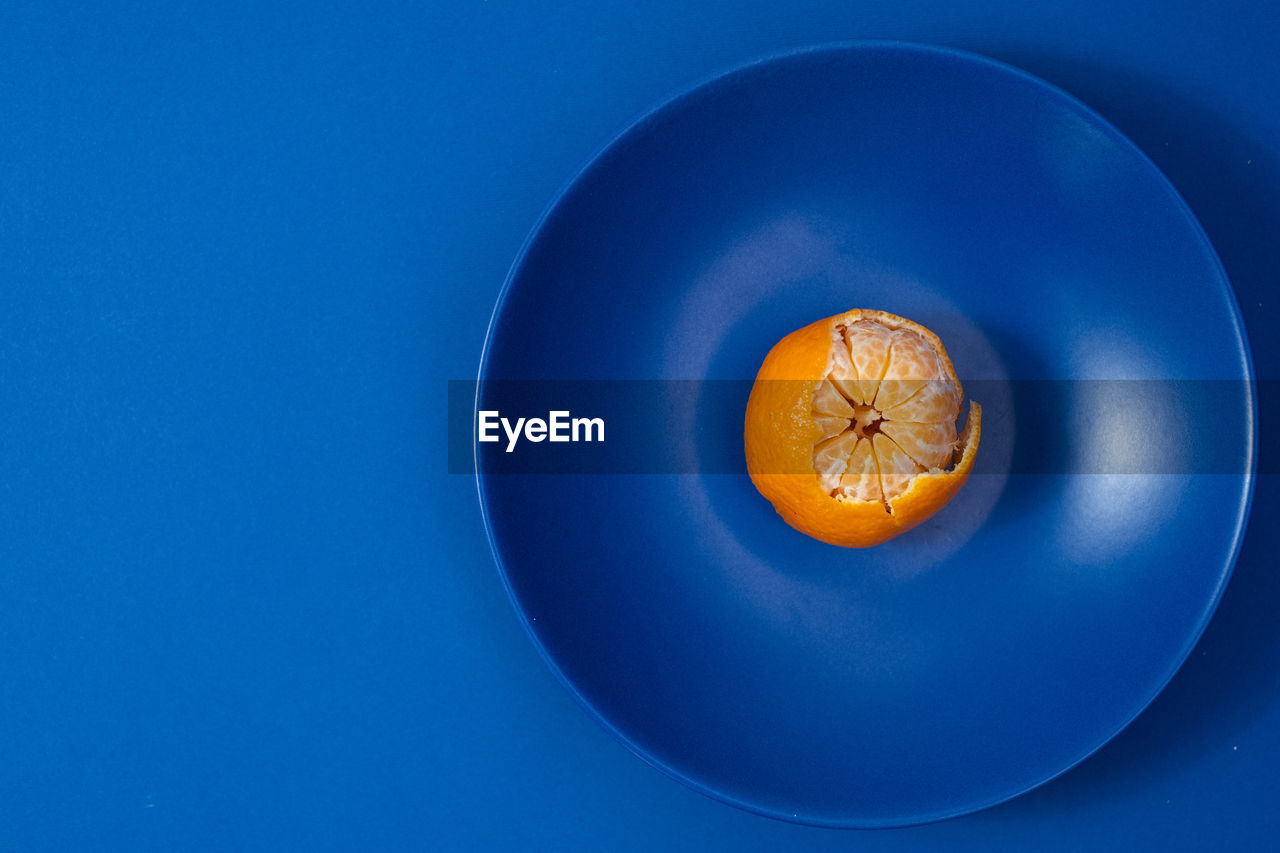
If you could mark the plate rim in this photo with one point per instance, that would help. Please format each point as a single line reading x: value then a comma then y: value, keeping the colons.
x: 1094, y: 119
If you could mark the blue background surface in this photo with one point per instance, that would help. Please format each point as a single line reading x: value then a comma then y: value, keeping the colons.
x: 242, y: 249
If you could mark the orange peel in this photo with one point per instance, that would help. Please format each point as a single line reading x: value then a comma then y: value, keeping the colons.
x: 850, y: 428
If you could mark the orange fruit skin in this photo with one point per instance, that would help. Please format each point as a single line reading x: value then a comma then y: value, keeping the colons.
x: 780, y: 433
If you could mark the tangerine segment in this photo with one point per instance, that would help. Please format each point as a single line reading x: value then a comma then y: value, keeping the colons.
x: 920, y: 401
x: 897, y: 469
x: 831, y: 410
x: 832, y: 456
x: 928, y: 445
x: 914, y: 367
x: 868, y: 347
x: 861, y: 479
x: 851, y: 427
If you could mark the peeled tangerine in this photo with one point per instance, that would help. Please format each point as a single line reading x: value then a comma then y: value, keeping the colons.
x: 851, y: 428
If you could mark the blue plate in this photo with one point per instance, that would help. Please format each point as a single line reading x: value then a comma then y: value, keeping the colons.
x: 990, y: 649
